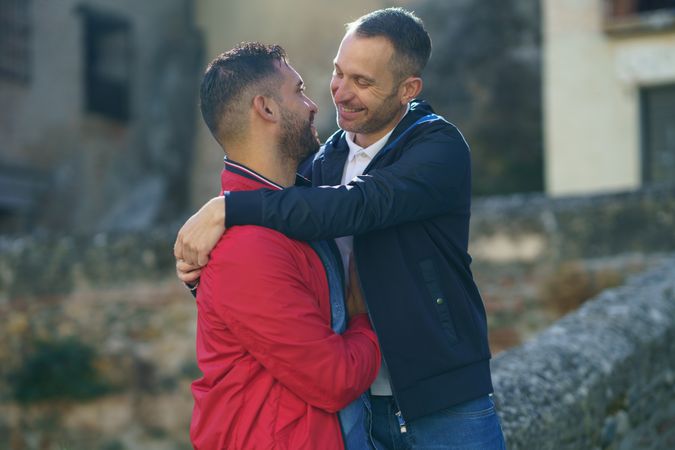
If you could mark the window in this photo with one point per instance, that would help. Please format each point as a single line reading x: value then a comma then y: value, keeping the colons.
x: 654, y: 5
x: 658, y: 134
x: 621, y: 8
x: 107, y: 62
x: 15, y: 34
x: 628, y: 16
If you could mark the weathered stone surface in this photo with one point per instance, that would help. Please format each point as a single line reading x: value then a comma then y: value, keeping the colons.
x: 53, y: 265
x: 601, y: 377
x: 536, y: 229
x: 144, y: 337
x: 506, y: 231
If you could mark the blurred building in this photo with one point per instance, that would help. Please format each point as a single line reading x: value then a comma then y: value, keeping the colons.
x: 98, y: 112
x: 309, y: 30
x: 609, y: 94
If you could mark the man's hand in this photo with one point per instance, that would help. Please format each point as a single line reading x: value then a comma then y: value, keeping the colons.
x: 355, y: 302
x: 200, y: 233
x: 187, y: 273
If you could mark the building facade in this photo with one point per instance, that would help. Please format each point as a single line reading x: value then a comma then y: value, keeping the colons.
x: 609, y: 94
x: 97, y: 118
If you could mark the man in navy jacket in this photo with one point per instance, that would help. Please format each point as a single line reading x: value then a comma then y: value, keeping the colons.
x: 396, y: 178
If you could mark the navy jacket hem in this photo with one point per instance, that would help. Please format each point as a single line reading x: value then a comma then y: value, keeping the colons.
x: 450, y: 388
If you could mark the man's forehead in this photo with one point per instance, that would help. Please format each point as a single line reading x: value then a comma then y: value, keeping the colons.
x: 364, y: 53
x: 354, y: 40
x: 289, y: 73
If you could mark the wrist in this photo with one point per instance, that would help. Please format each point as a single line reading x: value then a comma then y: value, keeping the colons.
x: 217, y: 209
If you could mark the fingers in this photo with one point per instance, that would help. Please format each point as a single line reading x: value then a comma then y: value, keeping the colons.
x: 178, y: 246
x: 189, y: 277
x: 200, y: 233
x: 189, y: 254
x: 187, y: 272
x: 185, y: 248
x: 184, y: 266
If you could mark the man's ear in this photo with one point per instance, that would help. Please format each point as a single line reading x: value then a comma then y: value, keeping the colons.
x: 410, y: 89
x: 266, y: 108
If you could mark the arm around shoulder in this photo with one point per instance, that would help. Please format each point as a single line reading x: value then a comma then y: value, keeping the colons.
x: 200, y: 233
x: 430, y: 178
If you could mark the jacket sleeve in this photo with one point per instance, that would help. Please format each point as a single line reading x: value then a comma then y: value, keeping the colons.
x: 262, y: 297
x: 432, y: 177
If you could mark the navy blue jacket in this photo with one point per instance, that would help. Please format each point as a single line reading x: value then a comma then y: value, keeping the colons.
x: 409, y: 214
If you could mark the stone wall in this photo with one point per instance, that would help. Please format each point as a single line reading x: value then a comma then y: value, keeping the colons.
x: 105, y: 368
x: 538, y: 229
x: 52, y: 266
x: 602, y: 377
x: 515, y: 231
x: 536, y: 258
x: 599, y: 378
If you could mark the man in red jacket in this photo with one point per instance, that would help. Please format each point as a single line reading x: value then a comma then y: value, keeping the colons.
x: 275, y: 372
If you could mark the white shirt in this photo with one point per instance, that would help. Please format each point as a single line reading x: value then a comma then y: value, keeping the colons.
x: 357, y: 161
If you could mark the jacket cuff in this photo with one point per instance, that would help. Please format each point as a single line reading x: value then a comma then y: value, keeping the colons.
x: 192, y: 288
x: 243, y: 208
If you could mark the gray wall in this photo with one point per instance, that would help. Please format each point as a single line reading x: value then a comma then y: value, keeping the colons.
x: 602, y: 377
x: 531, y: 230
x: 537, y: 229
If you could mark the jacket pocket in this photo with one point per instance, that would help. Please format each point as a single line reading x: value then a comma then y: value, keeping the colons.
x: 440, y: 302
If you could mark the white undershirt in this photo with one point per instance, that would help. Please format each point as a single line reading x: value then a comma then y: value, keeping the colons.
x: 357, y: 161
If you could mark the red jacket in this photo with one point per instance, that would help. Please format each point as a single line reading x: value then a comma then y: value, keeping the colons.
x: 274, y: 371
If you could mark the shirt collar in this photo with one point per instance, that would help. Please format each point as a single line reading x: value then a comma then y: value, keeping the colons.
x: 373, y: 148
x: 243, y: 171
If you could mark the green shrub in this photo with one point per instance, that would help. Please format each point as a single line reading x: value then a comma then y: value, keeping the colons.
x: 57, y: 370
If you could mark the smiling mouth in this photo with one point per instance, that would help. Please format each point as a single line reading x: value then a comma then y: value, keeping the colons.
x: 349, y: 110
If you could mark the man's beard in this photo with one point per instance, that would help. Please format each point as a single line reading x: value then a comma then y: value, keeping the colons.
x: 298, y: 140
x: 380, y: 118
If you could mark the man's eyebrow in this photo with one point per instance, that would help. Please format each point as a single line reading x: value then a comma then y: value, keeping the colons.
x: 364, y: 77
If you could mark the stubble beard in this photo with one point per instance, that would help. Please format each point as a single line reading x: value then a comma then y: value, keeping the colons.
x: 298, y: 140
x: 379, y: 119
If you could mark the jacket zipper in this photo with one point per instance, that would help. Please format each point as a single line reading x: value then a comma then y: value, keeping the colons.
x: 399, y: 415
x: 401, y: 423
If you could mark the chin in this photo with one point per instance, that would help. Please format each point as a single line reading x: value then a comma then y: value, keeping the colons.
x: 347, y: 126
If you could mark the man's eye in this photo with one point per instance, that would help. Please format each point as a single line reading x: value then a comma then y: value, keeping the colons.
x: 362, y: 82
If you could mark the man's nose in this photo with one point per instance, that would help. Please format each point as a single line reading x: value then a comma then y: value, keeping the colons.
x: 313, y: 107
x: 340, y: 90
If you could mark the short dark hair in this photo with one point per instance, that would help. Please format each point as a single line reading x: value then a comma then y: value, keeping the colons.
x: 232, y: 74
x: 405, y: 31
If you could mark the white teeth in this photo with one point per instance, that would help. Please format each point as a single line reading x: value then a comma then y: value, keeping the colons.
x: 350, y: 110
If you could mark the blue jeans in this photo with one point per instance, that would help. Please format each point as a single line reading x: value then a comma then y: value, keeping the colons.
x: 473, y: 425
